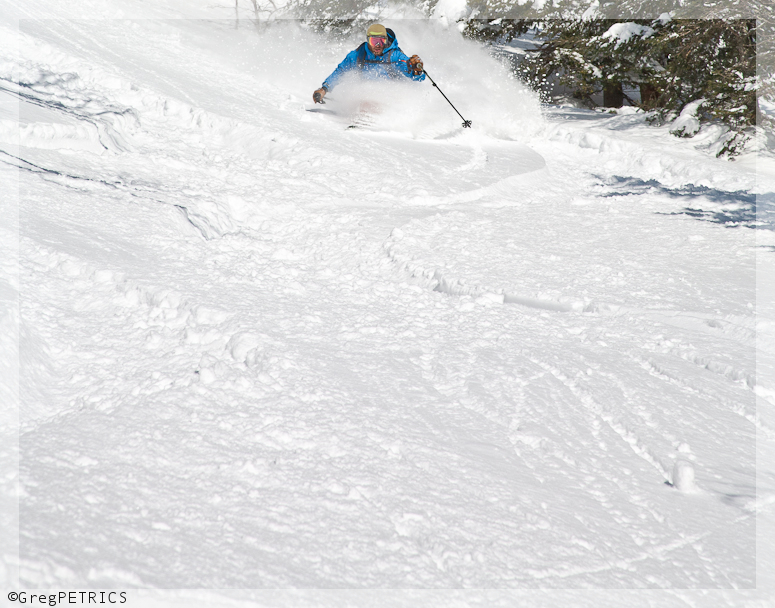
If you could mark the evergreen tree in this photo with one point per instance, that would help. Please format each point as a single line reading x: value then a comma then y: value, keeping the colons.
x: 705, y: 66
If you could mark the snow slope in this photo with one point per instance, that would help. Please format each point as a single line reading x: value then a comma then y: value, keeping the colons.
x: 253, y: 349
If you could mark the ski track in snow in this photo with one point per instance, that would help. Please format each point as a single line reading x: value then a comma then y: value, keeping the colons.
x: 260, y: 350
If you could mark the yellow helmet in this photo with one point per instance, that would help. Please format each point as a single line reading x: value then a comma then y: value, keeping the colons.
x: 376, y: 29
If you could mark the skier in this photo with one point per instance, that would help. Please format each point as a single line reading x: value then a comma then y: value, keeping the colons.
x: 378, y: 57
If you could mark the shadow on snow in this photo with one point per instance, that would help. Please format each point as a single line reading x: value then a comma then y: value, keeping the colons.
x: 739, y: 208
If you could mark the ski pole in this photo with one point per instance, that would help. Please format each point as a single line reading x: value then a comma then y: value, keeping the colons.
x: 466, y: 123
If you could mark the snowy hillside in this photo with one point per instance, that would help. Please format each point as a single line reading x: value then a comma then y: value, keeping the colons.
x: 245, y: 347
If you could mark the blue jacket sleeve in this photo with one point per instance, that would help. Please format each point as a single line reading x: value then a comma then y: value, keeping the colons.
x: 348, y: 63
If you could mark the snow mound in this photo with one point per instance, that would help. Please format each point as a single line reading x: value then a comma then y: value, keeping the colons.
x: 683, y: 477
x: 687, y: 124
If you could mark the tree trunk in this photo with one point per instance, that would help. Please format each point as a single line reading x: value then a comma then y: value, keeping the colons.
x: 648, y: 95
x: 613, y: 96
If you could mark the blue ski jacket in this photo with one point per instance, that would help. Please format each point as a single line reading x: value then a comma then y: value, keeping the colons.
x: 391, y: 64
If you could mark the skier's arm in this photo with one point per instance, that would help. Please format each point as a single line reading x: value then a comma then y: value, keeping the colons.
x: 405, y: 66
x: 348, y: 63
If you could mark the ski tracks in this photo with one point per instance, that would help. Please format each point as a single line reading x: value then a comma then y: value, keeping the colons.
x: 287, y: 397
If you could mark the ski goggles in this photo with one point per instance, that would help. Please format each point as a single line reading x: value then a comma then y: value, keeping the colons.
x: 377, y: 40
